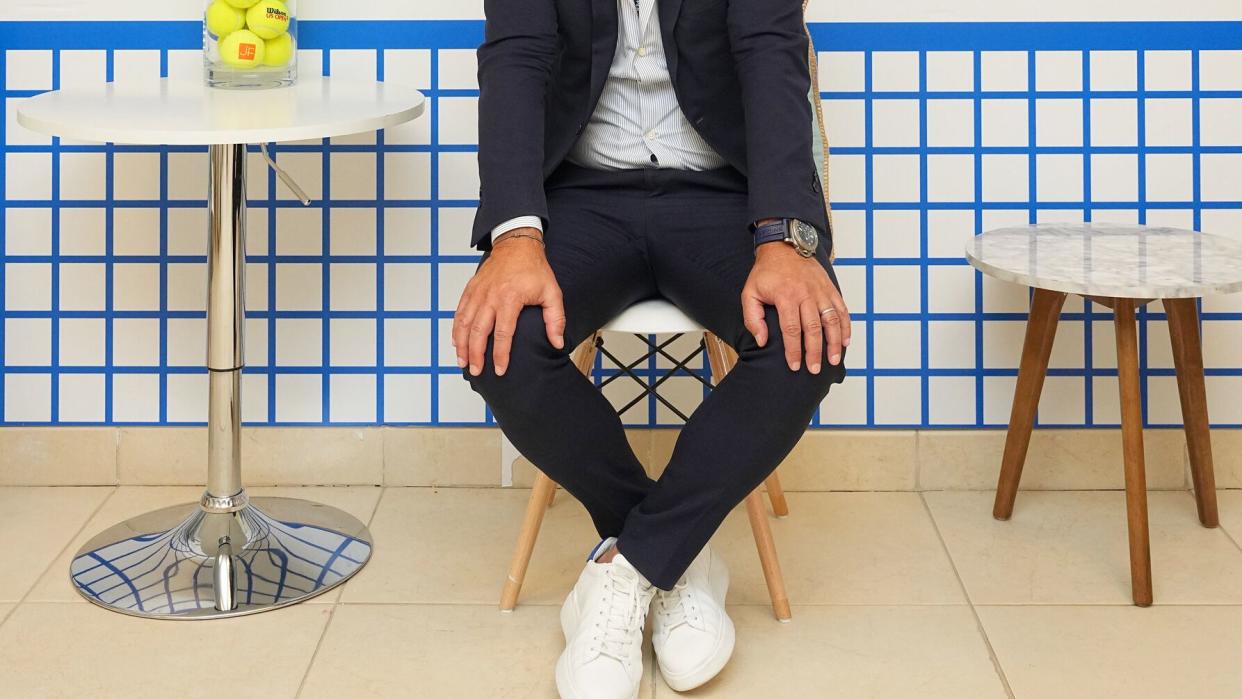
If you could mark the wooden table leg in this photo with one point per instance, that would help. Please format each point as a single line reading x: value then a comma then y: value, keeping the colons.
x: 1132, y: 446
x: 1188, y: 358
x: 1041, y: 330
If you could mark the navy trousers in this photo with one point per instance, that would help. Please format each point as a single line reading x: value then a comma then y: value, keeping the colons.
x: 615, y: 238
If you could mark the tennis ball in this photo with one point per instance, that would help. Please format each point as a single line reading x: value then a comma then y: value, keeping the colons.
x: 242, y: 4
x: 224, y: 19
x: 269, y: 19
x: 242, y: 49
x: 278, y: 51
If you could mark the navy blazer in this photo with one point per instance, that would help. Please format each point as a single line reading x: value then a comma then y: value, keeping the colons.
x: 739, y: 68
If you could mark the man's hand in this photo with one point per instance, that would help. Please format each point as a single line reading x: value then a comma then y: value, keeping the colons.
x: 516, y: 275
x: 800, y: 289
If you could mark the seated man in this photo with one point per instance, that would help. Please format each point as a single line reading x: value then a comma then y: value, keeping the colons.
x: 631, y: 149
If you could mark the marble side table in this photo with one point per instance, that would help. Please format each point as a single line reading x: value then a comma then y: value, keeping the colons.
x: 1121, y: 267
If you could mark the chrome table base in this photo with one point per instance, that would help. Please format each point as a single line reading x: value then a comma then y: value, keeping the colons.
x: 225, y: 556
x: 183, y: 562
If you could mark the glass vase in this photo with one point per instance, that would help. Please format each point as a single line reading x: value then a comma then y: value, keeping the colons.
x: 250, y: 44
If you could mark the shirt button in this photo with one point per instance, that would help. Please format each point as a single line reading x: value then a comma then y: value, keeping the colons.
x: 642, y: 51
x: 651, y: 135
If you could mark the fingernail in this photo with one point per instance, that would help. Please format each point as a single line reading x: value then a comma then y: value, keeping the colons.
x: 560, y: 341
x: 845, y: 342
x: 836, y: 359
x: 500, y: 371
x: 461, y: 363
x: 814, y: 368
x: 474, y: 369
x: 795, y: 366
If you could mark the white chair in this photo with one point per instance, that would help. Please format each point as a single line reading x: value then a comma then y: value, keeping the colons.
x: 657, y: 317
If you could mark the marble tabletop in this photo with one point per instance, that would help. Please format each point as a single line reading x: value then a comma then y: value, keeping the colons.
x: 1120, y: 261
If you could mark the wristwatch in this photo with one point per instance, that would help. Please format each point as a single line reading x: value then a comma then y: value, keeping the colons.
x: 800, y: 234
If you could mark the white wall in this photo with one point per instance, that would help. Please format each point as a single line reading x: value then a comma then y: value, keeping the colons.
x: 820, y: 10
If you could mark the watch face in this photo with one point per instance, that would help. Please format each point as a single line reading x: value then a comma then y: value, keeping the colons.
x: 805, y: 236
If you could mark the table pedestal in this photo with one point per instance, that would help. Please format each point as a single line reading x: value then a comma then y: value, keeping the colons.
x: 226, y: 555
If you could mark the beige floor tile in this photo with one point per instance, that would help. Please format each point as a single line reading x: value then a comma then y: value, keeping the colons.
x: 42, y: 521
x: 79, y: 650
x: 58, y: 456
x: 1091, y: 652
x: 442, y: 651
x: 1071, y: 548
x: 1229, y: 504
x: 833, y: 459
x: 453, y: 545
x: 845, y: 548
x: 131, y: 501
x: 450, y: 456
x: 855, y: 651
x: 1057, y: 459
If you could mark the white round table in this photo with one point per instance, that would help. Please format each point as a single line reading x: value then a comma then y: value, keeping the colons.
x: 226, y: 555
x: 1121, y: 267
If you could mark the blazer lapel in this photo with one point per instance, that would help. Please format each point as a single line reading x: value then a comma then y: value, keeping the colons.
x: 669, y: 9
x: 604, y: 30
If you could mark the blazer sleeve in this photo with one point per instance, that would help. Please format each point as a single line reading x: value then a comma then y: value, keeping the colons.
x: 515, y: 63
x: 769, y: 44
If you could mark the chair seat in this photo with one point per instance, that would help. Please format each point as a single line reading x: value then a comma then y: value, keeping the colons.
x: 653, y: 316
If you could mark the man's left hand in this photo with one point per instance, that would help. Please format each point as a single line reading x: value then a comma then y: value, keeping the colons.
x: 807, y: 302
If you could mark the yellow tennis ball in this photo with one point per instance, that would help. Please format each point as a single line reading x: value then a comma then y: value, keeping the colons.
x: 269, y: 19
x: 242, y: 4
x: 278, y: 51
x: 242, y: 49
x: 224, y: 19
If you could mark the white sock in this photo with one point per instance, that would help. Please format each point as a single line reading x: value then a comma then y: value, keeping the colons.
x: 601, y: 548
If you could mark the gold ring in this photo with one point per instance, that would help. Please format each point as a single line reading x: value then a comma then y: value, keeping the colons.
x: 826, y: 311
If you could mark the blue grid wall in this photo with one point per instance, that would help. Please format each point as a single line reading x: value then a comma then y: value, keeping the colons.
x: 937, y: 133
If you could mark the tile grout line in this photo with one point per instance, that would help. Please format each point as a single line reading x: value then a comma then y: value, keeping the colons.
x: 336, y: 603
x: 996, y: 664
x: 46, y: 569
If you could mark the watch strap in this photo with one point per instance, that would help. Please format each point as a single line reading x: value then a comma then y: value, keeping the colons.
x: 772, y: 231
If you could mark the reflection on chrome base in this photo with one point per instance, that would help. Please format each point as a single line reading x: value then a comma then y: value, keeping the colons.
x: 183, y: 562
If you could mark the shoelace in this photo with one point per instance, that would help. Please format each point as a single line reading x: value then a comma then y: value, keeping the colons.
x: 678, y: 606
x: 621, y: 614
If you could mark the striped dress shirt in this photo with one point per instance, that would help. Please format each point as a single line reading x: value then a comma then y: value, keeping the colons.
x: 637, y: 122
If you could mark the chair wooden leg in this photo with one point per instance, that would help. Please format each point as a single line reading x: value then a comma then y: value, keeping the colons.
x: 1188, y: 358
x: 1132, y: 445
x: 776, y: 493
x: 1041, y: 330
x: 535, y: 508
x: 761, y: 528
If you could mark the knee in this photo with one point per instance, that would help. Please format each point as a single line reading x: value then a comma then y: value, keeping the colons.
x: 772, y: 359
x: 530, y: 352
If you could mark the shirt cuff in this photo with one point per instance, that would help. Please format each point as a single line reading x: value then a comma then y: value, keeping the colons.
x: 519, y: 222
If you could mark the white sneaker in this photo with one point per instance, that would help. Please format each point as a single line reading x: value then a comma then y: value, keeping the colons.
x: 603, y: 621
x: 692, y: 634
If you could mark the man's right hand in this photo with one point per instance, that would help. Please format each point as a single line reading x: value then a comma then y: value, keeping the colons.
x: 515, y: 275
